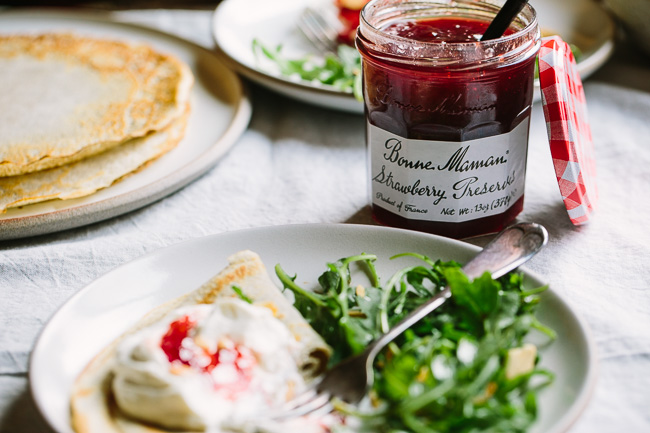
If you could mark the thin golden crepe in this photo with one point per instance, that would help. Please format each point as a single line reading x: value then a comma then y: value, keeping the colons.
x: 65, y: 97
x: 93, y: 408
x: 89, y: 175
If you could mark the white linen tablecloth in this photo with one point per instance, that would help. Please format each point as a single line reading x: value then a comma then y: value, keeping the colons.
x: 302, y: 164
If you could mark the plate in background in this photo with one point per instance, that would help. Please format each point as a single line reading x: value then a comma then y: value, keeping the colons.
x: 104, y: 309
x: 218, y: 99
x: 236, y: 23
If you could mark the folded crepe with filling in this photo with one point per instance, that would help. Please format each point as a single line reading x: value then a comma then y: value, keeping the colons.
x: 65, y: 97
x: 93, y: 408
x: 82, y: 178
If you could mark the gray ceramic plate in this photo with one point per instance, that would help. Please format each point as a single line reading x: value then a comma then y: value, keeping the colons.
x: 236, y: 23
x: 108, y: 306
x: 220, y: 113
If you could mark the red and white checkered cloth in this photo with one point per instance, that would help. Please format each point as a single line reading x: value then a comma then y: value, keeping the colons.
x: 569, y: 135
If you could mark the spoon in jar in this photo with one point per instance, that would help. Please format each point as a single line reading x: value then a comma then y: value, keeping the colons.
x: 502, y: 21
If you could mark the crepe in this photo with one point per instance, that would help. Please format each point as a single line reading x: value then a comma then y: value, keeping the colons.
x: 89, y: 175
x: 65, y: 97
x: 93, y: 408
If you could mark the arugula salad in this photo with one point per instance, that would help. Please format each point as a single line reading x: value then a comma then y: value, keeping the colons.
x: 458, y: 370
x: 340, y: 70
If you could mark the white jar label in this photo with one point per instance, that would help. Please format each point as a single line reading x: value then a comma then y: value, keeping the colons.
x: 447, y: 181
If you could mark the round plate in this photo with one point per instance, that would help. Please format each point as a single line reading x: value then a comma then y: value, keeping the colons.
x: 218, y: 99
x: 237, y: 23
x: 108, y: 306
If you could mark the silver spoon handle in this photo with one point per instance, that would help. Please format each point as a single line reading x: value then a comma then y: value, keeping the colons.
x: 513, y: 247
x: 510, y: 249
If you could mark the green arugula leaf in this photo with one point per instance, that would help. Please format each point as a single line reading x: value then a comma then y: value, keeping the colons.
x: 341, y: 71
x: 480, y: 296
x: 241, y: 294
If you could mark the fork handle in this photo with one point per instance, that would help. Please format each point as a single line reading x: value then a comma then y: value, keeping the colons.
x: 510, y: 249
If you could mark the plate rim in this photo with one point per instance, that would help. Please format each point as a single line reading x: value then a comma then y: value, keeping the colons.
x: 284, y: 85
x: 586, y: 68
x: 255, y: 73
x: 567, y: 420
x: 78, y: 215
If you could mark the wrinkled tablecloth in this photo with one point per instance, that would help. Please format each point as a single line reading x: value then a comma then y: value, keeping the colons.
x: 298, y: 163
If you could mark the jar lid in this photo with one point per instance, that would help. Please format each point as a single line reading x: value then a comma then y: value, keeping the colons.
x: 569, y: 134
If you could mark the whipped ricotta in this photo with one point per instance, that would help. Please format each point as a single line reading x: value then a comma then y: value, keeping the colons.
x: 208, y: 367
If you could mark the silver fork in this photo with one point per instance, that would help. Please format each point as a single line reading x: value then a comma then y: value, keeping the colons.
x: 350, y: 380
x: 320, y: 28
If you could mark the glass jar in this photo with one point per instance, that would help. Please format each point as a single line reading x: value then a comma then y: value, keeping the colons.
x: 447, y: 115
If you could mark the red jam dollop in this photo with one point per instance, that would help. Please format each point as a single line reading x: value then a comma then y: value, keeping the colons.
x: 174, y: 345
x: 348, y: 12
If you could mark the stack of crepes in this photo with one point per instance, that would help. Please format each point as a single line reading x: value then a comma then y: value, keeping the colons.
x: 77, y: 114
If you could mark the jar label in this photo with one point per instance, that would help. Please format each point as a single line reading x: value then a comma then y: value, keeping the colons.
x: 447, y: 181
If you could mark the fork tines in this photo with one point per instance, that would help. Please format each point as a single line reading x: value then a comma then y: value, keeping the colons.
x: 309, y: 402
x: 320, y: 28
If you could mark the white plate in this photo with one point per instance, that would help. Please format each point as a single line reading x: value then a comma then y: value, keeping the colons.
x: 220, y: 113
x: 108, y: 306
x: 236, y: 23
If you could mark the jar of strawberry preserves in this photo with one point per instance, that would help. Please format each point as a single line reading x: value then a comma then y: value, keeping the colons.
x: 447, y: 115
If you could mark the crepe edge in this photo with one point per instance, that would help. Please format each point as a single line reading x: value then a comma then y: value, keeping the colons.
x: 176, y: 132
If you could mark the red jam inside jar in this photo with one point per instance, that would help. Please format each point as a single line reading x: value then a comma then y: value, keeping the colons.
x: 441, y: 30
x: 447, y: 115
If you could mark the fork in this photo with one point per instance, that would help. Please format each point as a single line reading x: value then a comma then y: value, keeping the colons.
x: 350, y: 380
x: 320, y: 28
